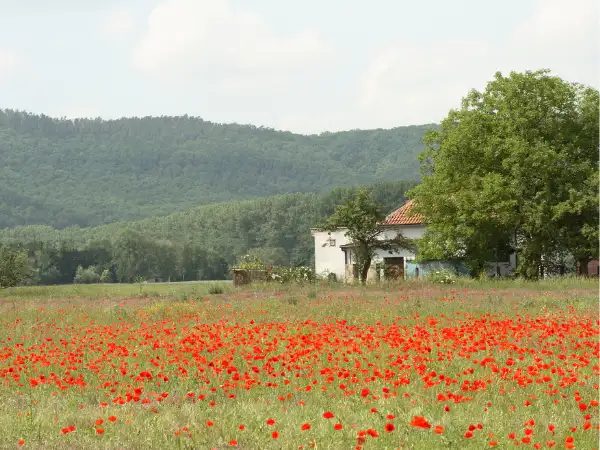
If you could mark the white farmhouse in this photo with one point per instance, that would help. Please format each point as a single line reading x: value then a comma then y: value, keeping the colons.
x: 333, y: 251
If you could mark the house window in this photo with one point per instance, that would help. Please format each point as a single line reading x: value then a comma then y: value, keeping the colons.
x: 331, y: 242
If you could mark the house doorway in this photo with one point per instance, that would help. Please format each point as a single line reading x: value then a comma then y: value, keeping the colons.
x: 394, y: 268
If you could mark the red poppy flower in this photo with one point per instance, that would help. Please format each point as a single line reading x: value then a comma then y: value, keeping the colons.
x: 420, y: 422
x: 389, y: 427
x: 328, y: 415
x: 305, y: 427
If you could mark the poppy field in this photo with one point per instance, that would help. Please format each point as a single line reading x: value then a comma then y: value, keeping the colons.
x: 408, y: 367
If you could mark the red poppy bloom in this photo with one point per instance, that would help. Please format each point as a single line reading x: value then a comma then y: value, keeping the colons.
x: 389, y: 427
x: 420, y: 422
x: 305, y: 427
x: 328, y: 415
x: 373, y: 433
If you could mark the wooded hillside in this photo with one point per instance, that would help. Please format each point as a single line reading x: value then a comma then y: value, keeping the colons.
x: 203, y: 240
x: 90, y: 172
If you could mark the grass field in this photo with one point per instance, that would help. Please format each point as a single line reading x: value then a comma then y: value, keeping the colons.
x: 466, y: 366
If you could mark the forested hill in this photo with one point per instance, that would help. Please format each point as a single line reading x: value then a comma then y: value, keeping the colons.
x: 89, y: 172
x: 275, y: 228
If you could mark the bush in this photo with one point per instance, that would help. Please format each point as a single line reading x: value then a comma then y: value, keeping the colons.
x: 86, y: 276
x: 442, y: 276
x: 215, y: 289
x: 14, y: 267
x: 277, y: 274
x: 290, y: 274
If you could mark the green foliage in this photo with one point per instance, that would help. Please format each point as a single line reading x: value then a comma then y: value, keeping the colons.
x: 441, y: 276
x: 144, y: 167
x: 88, y: 275
x: 248, y: 262
x: 105, y: 276
x: 298, y: 275
x: 215, y: 289
x: 14, y: 267
x: 199, y: 244
x: 362, y: 216
x: 515, y: 168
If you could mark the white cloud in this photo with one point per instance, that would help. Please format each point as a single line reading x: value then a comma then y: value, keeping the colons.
x: 559, y: 23
x: 8, y: 62
x: 205, y: 36
x: 415, y: 83
x: 562, y: 36
x: 118, y: 23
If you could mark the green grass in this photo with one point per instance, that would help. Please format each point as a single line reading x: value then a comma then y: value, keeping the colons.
x: 99, y: 331
x: 176, y: 290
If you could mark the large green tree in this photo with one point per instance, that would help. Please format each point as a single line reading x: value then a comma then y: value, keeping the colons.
x: 515, y: 168
x: 361, y: 215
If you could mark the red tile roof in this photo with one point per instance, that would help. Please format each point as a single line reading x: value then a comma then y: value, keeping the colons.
x: 402, y: 216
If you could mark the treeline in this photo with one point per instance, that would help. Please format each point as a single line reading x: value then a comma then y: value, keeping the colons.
x: 199, y: 244
x: 61, y: 172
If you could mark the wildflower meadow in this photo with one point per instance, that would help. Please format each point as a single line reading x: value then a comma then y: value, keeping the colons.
x: 411, y: 366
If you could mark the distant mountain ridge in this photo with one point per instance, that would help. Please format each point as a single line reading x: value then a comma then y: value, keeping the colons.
x: 89, y: 172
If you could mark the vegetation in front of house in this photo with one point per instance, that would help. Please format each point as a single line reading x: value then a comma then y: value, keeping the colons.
x: 259, y: 271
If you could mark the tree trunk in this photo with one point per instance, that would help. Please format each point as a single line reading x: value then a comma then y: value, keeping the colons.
x: 582, y: 269
x: 365, y: 271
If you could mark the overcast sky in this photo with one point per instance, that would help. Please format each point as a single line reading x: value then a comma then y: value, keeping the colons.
x: 305, y: 66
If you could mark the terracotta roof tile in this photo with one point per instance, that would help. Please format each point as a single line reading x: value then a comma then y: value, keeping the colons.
x: 401, y: 216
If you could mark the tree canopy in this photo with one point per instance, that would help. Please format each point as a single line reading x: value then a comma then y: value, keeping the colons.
x: 14, y: 268
x: 515, y: 168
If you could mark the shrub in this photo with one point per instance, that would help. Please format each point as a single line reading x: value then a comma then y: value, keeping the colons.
x: 442, y: 276
x: 88, y: 275
x: 215, y: 289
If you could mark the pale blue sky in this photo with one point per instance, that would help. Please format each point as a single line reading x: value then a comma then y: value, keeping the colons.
x: 304, y: 66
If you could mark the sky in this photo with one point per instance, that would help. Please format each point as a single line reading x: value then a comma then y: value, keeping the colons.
x: 305, y: 66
